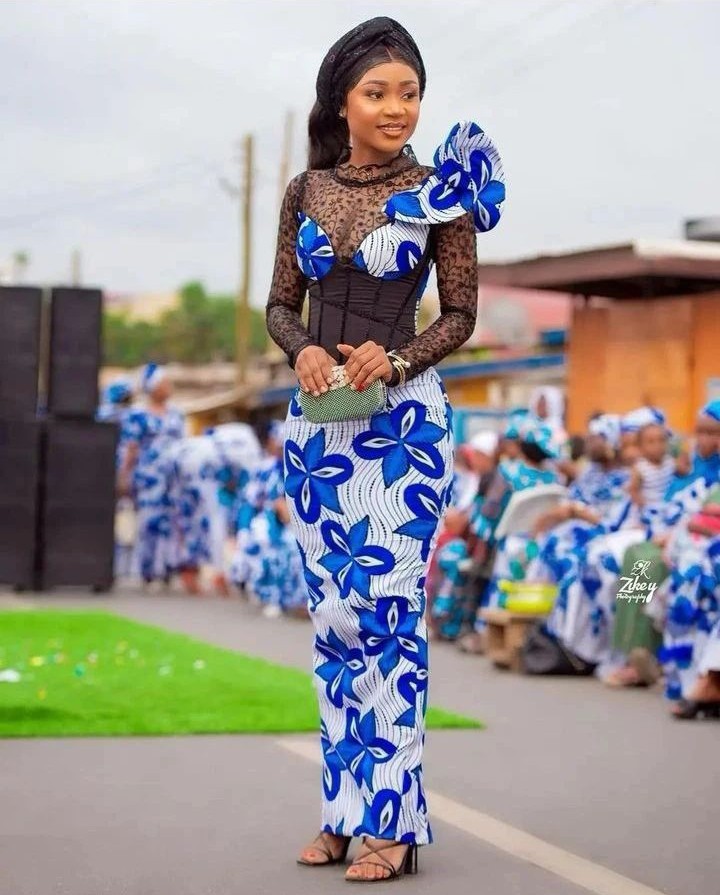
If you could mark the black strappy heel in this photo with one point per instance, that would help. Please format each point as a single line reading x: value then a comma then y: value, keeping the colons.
x: 691, y: 708
x: 409, y: 863
x: 324, y: 849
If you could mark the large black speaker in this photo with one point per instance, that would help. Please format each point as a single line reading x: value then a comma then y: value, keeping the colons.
x: 19, y: 464
x: 75, y: 347
x: 20, y: 308
x: 78, y: 510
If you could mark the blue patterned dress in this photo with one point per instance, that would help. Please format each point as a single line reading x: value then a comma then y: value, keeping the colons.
x: 692, y: 593
x: 156, y: 547
x: 203, y: 467
x: 263, y: 486
x: 366, y: 496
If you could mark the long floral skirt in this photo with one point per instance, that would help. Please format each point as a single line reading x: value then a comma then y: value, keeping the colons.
x: 366, y: 498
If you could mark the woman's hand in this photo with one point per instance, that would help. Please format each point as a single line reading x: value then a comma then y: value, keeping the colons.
x: 366, y: 364
x: 312, y: 369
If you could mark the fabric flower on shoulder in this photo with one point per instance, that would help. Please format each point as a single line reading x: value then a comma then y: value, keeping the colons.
x: 314, y: 250
x: 468, y: 177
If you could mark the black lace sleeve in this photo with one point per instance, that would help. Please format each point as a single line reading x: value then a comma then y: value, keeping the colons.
x: 457, y: 279
x: 287, y: 292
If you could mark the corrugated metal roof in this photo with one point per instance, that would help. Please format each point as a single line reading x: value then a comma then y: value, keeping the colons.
x: 642, y: 268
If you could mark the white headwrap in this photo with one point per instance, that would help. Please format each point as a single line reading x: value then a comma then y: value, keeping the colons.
x: 608, y: 426
x: 485, y: 442
x: 554, y: 401
x: 642, y: 416
x: 151, y: 376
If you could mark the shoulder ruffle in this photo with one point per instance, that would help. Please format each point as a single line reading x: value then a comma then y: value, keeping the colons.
x: 468, y: 177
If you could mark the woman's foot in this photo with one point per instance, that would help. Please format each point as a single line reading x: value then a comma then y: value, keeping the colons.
x: 326, y: 848
x: 704, y: 698
x: 221, y: 586
x: 707, y: 688
x: 627, y: 676
x: 645, y: 664
x: 378, y: 859
x: 191, y: 581
x: 473, y: 642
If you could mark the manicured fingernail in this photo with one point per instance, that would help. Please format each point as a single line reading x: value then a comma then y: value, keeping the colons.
x: 323, y: 389
x: 353, y: 386
x: 317, y: 394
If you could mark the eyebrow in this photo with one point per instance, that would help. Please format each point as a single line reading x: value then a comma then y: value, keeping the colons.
x: 386, y: 83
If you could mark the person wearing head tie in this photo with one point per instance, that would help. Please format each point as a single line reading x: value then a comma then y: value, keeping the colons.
x: 360, y: 231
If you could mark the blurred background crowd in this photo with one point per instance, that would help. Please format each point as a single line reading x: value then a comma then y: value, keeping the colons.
x: 609, y: 537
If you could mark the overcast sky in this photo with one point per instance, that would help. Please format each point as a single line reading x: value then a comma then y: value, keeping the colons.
x: 119, y: 118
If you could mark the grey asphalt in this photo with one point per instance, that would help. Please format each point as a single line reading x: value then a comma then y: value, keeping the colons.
x: 606, y: 775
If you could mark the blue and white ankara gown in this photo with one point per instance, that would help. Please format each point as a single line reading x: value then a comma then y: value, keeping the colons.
x: 202, y: 466
x: 366, y: 498
x: 263, y: 486
x: 156, y: 554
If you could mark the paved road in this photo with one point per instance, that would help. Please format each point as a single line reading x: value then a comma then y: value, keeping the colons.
x: 603, y: 775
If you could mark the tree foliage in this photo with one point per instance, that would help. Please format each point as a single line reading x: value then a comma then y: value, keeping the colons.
x: 199, y: 330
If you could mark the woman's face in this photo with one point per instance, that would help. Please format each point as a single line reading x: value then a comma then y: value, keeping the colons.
x: 707, y: 436
x: 652, y: 441
x: 162, y: 391
x: 541, y: 409
x: 382, y: 110
x: 598, y: 448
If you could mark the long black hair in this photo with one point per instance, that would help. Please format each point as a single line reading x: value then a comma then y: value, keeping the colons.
x: 328, y: 132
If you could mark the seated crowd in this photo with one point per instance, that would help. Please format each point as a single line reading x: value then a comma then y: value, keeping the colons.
x: 630, y: 547
x: 628, y: 543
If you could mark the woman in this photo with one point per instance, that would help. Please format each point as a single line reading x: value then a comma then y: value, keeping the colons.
x: 202, y: 467
x: 148, y: 433
x: 547, y: 405
x: 693, y: 590
x: 360, y: 230
x: 263, y: 486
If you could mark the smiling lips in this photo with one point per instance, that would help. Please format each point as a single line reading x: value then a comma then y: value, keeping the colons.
x: 392, y: 129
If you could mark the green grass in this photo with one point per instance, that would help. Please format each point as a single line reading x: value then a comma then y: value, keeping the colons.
x: 97, y: 674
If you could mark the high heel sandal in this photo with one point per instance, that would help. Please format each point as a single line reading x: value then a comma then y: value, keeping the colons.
x: 409, y: 863
x: 691, y: 708
x: 324, y: 849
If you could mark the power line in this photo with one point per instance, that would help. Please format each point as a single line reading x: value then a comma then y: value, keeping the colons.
x: 128, y: 178
x: 524, y: 61
x: 26, y: 218
x: 498, y: 39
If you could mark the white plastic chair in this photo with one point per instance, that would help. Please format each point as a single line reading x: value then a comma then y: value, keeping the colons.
x: 525, y: 508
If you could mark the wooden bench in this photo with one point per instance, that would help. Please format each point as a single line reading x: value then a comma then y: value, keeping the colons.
x: 505, y: 635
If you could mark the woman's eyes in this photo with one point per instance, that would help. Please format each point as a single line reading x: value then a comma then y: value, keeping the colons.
x: 375, y: 94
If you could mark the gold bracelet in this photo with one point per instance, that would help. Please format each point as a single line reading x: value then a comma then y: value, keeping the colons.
x: 400, y: 364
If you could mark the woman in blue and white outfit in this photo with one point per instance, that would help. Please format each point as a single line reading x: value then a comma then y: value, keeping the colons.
x: 360, y: 231
x: 263, y: 486
x: 115, y: 406
x: 148, y: 434
x: 203, y: 469
x: 691, y: 649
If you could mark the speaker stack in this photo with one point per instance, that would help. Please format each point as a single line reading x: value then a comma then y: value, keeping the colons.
x: 57, y: 466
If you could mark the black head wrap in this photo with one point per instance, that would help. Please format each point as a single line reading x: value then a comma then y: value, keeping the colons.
x: 332, y: 80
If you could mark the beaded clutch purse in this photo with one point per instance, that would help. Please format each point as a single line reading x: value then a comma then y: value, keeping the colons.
x: 341, y: 402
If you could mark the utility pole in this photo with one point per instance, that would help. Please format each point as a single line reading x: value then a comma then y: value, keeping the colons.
x: 273, y: 352
x: 75, y: 268
x: 243, y: 195
x: 242, y: 331
x: 285, y: 158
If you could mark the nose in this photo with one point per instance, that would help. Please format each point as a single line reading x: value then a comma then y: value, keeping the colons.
x: 393, y: 106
